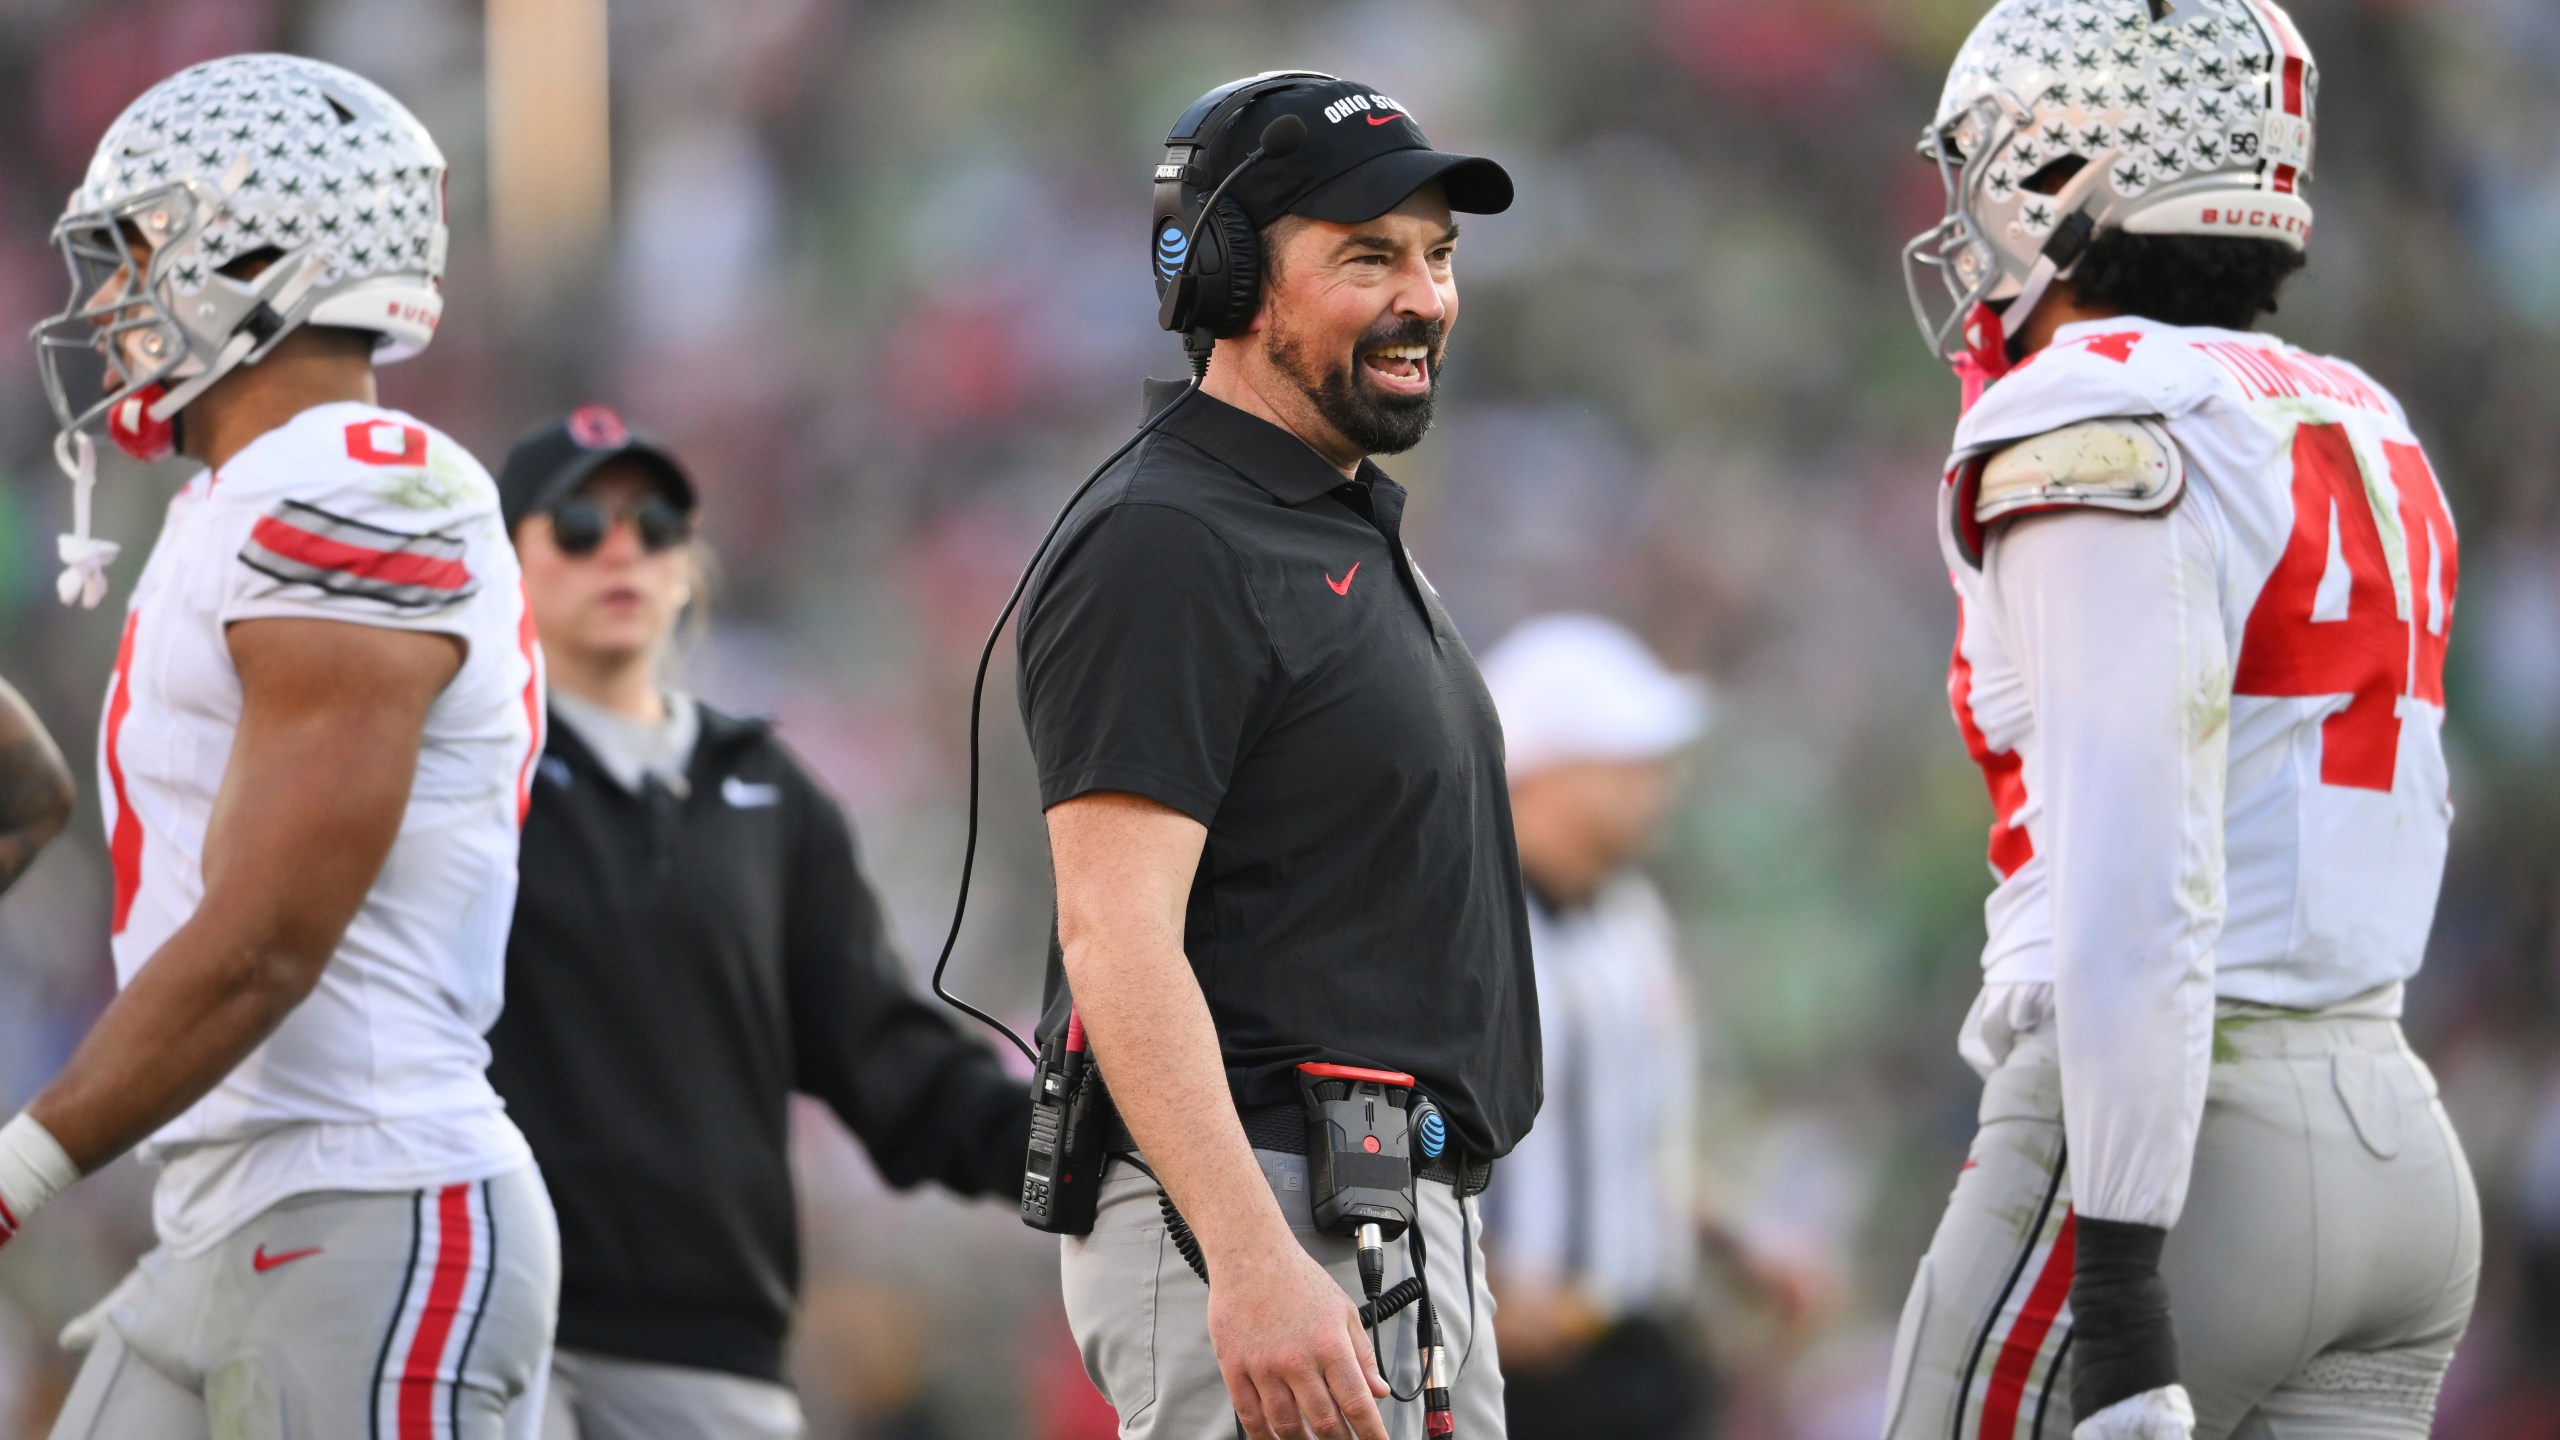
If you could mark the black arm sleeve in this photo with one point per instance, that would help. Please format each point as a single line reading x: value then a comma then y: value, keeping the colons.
x: 928, y: 1101
x: 1144, y: 661
x: 2121, y: 1340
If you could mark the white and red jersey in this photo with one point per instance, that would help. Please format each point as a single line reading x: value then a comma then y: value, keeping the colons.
x: 2213, y: 735
x: 377, y: 1081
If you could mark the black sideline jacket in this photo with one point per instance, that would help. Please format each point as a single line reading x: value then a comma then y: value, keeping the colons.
x: 680, y: 967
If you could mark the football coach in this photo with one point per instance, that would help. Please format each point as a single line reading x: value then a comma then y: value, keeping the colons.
x: 1275, y: 799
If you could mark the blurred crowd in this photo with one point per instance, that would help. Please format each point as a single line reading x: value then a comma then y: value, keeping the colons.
x: 875, y: 269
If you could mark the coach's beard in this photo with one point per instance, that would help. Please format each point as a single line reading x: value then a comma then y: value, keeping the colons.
x: 1377, y: 420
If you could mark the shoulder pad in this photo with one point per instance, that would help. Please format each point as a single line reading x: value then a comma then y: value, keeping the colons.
x: 2121, y: 464
x: 2127, y: 465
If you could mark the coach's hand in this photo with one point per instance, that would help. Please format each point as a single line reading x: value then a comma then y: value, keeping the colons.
x: 2162, y: 1414
x: 1288, y: 1339
x: 1289, y: 1343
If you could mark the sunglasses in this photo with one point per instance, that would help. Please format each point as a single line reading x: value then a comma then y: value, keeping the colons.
x: 579, y: 525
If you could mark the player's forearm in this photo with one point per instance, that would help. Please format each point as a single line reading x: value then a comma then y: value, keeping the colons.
x: 211, y: 995
x: 1152, y: 1035
x: 36, y: 792
x: 332, y: 718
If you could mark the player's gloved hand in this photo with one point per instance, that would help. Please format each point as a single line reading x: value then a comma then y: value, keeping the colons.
x: 2123, y: 1350
x: 2162, y: 1414
x: 33, y: 1169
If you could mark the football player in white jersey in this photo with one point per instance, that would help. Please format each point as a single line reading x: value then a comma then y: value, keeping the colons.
x: 313, y: 766
x: 2205, y: 582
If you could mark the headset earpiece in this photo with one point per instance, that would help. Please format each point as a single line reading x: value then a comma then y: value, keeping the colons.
x: 1230, y: 273
x: 1209, y: 273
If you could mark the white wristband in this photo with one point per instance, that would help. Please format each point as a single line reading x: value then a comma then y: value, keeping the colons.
x: 33, y: 1169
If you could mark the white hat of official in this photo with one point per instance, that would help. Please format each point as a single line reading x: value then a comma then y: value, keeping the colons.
x: 1580, y: 687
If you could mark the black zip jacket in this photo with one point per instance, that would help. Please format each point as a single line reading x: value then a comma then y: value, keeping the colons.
x: 677, y: 970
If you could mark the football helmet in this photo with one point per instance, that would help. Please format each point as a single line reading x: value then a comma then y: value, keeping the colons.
x: 2065, y: 118
x: 331, y: 181
x: 317, y: 172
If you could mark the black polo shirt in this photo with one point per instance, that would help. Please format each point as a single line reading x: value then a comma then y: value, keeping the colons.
x: 1227, y: 626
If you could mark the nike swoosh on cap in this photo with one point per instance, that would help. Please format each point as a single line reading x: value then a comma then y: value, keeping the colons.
x: 1383, y: 119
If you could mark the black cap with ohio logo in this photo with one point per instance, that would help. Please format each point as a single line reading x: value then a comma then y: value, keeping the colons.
x: 1362, y: 156
x: 551, y: 462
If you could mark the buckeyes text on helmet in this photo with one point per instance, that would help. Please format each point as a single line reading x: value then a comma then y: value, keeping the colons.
x: 2064, y: 118
x: 314, y: 170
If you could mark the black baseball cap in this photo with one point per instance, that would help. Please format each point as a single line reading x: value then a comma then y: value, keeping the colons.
x: 553, y: 461
x: 1362, y: 156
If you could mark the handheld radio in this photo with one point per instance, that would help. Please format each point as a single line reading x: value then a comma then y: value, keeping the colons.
x: 1070, y: 1112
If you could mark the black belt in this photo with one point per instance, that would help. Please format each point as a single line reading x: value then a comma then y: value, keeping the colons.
x: 1283, y: 1128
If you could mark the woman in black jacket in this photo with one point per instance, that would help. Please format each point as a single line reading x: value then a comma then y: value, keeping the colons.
x: 693, y: 943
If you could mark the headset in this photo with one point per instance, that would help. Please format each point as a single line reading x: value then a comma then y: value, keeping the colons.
x: 1208, y: 256
x: 1233, y: 259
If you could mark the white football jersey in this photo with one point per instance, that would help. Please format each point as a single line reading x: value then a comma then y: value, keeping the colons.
x: 378, y: 1080
x: 2213, y: 735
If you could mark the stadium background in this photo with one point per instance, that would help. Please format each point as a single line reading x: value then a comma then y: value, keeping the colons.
x: 874, y: 267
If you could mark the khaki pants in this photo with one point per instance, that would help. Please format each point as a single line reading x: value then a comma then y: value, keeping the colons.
x: 415, y: 1315
x: 1141, y: 1316
x: 2319, y: 1278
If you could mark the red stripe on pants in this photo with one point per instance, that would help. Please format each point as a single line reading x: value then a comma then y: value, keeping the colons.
x: 419, y: 1378
x: 2026, y: 1337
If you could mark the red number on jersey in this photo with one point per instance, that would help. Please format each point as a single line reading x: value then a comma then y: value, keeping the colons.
x: 2435, y: 563
x: 373, y: 442
x: 2353, y: 640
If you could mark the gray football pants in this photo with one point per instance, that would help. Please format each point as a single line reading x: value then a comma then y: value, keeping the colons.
x: 1141, y: 1317
x: 2319, y: 1278
x: 412, y: 1315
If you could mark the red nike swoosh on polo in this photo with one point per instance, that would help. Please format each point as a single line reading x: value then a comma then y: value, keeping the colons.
x: 1383, y: 119
x: 263, y: 1262
x: 1343, y: 585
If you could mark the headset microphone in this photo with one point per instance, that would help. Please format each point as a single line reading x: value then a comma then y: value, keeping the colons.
x: 1282, y: 137
x: 1181, y: 302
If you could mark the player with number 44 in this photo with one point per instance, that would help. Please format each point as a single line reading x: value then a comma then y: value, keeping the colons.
x: 2205, y: 583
